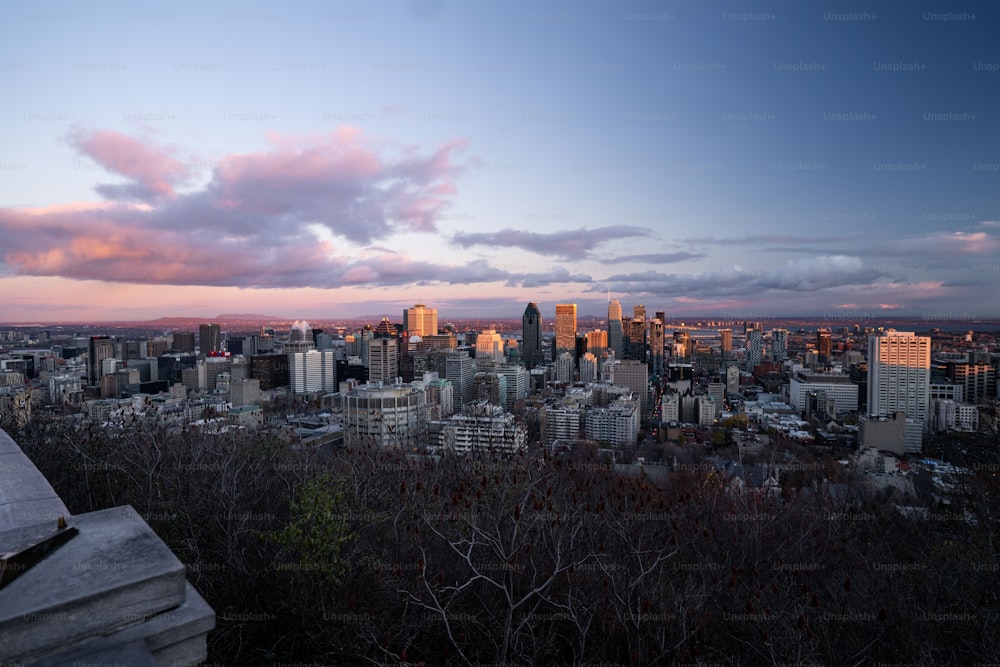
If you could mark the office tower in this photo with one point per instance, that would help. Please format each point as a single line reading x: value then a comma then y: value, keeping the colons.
x: 209, y: 338
x: 312, y: 371
x: 727, y: 342
x: 517, y: 384
x: 681, y: 346
x: 899, y: 371
x: 615, y: 328
x: 460, y: 371
x: 300, y: 332
x: 755, y: 348
x: 183, y: 341
x: 420, y: 320
x: 597, y: 342
x: 489, y: 348
x: 565, y: 327
x: 823, y: 346
x: 636, y: 347
x: 565, y: 367
x: 639, y: 313
x: 656, y: 346
x: 977, y: 379
x: 779, y: 344
x: 384, y: 329
x: 635, y: 376
x: 490, y: 387
x: 531, y: 335
x: 588, y: 368
x: 383, y: 356
x: 732, y: 380
x: 99, y: 349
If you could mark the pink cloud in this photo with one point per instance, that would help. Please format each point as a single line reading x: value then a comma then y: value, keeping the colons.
x: 252, y: 225
x: 153, y: 171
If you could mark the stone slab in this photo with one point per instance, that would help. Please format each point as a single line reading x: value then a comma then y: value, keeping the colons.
x: 115, y: 573
x: 174, y: 637
x: 25, y: 495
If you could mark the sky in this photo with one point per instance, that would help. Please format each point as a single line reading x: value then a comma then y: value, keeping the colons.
x: 333, y: 159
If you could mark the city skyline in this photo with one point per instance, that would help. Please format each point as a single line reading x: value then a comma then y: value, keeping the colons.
x: 327, y: 161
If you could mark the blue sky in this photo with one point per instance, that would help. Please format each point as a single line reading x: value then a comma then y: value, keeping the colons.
x: 328, y: 159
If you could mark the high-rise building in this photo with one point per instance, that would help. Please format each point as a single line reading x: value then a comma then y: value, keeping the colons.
x: 755, y: 348
x: 588, y: 368
x: 516, y: 383
x: 565, y: 327
x: 460, y: 371
x: 899, y: 364
x: 420, y: 320
x: 99, y: 349
x: 977, y: 379
x: 489, y: 347
x: 564, y: 367
x: 183, y: 341
x: 490, y: 387
x: 823, y: 346
x: 639, y: 313
x: 727, y: 342
x: 597, y: 342
x: 209, y: 338
x: 387, y: 416
x: 312, y: 371
x: 779, y: 344
x: 656, y: 346
x: 531, y: 336
x: 634, y: 375
x: 617, y: 424
x: 383, y: 356
x: 899, y: 372
x: 483, y: 427
x: 615, y: 328
x: 635, y: 347
x: 299, y: 332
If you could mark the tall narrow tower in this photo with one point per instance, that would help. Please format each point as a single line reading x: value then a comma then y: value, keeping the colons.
x: 565, y: 327
x: 615, y: 328
x: 531, y: 326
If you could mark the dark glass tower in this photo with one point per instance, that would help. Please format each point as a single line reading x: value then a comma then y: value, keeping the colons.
x: 531, y: 325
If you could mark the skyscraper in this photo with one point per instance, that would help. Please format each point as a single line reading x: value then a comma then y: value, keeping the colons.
x: 183, y: 341
x: 779, y: 344
x: 209, y: 338
x: 312, y: 371
x: 597, y: 342
x: 99, y: 349
x: 755, y: 348
x: 383, y: 355
x: 635, y: 376
x: 615, y: 328
x: 460, y: 371
x: 899, y: 371
x: 420, y: 320
x: 489, y: 347
x: 565, y: 327
x: 531, y: 326
x: 823, y: 346
x: 727, y: 342
x: 656, y: 346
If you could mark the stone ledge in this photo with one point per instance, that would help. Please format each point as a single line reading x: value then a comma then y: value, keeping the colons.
x: 25, y: 495
x: 111, y: 575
